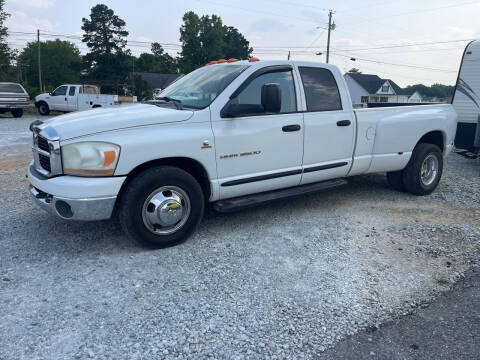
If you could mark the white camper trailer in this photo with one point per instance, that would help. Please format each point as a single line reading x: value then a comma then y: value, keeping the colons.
x: 466, y: 99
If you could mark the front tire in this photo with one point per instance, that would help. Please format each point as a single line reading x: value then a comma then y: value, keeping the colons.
x: 424, y: 170
x: 161, y: 207
x: 43, y: 109
x: 17, y: 113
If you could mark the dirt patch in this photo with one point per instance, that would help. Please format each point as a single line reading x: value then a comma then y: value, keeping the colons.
x: 12, y: 163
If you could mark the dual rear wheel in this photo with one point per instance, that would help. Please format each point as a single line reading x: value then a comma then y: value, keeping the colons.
x: 422, y: 173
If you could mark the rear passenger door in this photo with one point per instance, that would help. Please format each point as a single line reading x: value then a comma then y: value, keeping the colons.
x: 329, y: 126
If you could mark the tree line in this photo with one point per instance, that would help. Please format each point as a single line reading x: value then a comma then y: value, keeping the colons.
x: 109, y: 62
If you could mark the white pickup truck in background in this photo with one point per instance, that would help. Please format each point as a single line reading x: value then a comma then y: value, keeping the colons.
x: 67, y: 98
x: 235, y: 134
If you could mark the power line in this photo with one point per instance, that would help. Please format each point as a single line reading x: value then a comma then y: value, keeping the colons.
x: 367, y: 6
x: 406, y: 45
x: 395, y: 64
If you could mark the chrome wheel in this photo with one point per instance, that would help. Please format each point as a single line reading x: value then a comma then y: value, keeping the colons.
x: 166, y: 210
x: 429, y: 170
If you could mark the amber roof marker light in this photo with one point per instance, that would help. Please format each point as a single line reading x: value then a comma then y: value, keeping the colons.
x: 232, y: 60
x: 252, y: 59
x: 221, y: 61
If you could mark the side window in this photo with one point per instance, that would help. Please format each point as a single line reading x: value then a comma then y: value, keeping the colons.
x: 252, y: 94
x: 71, y: 92
x: 321, y: 90
x: 60, y: 91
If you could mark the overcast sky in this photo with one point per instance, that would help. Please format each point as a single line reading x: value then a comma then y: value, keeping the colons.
x: 274, y: 27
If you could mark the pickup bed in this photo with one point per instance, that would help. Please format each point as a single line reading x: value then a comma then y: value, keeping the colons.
x: 235, y: 134
x: 67, y: 98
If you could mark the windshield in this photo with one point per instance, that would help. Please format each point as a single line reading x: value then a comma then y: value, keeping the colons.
x: 200, y: 87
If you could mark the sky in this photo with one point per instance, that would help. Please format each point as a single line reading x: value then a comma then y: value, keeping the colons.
x: 407, y: 41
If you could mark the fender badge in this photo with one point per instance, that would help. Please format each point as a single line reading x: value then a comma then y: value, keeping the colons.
x: 206, y: 145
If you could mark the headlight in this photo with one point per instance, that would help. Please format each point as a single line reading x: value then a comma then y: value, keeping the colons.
x: 90, y: 158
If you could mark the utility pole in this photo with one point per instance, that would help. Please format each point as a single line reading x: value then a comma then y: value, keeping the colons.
x: 39, y: 63
x: 330, y: 28
x: 288, y: 55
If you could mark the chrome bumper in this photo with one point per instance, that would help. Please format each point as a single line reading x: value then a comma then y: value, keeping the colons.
x: 74, y: 209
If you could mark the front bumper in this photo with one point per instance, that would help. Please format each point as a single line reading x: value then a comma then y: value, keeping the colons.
x: 58, y: 196
x: 74, y: 209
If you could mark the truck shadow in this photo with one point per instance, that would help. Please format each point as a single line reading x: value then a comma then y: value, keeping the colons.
x: 66, y: 238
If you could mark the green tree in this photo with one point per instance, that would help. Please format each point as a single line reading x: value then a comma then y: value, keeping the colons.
x: 107, y: 62
x: 236, y: 46
x: 206, y: 38
x: 61, y: 63
x: 7, y: 56
x: 158, y: 61
x: 436, y: 90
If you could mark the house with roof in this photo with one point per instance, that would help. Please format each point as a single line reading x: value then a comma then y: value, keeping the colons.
x: 371, y: 89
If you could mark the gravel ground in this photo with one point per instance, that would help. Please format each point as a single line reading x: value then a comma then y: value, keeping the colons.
x: 286, y: 280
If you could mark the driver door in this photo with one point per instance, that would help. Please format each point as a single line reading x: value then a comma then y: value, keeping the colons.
x: 58, y: 100
x: 260, y: 152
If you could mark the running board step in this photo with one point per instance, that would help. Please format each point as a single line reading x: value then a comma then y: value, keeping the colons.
x: 248, y: 201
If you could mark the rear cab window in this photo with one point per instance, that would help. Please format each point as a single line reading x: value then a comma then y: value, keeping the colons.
x: 321, y: 89
x: 11, y: 88
x: 71, y: 91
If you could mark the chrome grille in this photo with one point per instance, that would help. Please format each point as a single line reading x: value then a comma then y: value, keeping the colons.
x: 46, y: 151
x: 45, y: 162
x: 43, y: 144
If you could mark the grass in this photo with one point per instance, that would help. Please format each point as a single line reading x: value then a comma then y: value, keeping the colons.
x: 443, y: 282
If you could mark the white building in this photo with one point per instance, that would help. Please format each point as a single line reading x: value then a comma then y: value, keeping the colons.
x: 367, y: 89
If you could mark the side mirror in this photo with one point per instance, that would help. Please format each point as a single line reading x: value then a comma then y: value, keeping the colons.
x: 272, y: 97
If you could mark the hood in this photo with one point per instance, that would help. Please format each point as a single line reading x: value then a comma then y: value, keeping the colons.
x: 99, y: 120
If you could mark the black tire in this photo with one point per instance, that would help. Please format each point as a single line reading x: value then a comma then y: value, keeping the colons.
x: 395, y: 179
x: 412, y: 174
x: 43, y: 109
x: 17, y: 113
x: 133, y: 203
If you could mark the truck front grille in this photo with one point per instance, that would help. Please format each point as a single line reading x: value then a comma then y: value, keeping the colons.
x: 45, y: 162
x: 46, y: 155
x: 43, y: 144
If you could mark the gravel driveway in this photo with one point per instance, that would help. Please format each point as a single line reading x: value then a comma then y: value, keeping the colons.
x: 286, y: 280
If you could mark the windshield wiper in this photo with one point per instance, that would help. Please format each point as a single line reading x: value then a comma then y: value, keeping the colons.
x: 177, y: 103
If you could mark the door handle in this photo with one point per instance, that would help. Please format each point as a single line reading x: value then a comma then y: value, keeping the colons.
x: 65, y: 99
x: 344, y: 123
x: 291, y: 128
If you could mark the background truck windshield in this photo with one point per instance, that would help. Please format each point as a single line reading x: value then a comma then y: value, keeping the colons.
x: 200, y: 87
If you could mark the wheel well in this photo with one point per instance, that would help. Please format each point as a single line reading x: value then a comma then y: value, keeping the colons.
x: 191, y: 166
x: 433, y: 137
x: 41, y: 102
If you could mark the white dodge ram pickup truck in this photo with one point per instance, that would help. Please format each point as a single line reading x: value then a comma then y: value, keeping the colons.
x: 235, y: 134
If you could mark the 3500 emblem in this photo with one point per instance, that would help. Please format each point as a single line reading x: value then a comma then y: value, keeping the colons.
x: 247, y: 153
